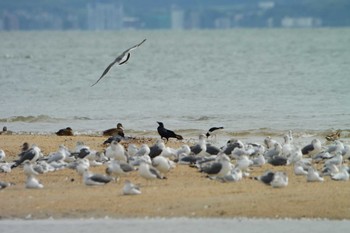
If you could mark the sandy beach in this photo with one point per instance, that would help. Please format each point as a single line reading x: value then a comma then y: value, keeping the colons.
x: 185, y: 192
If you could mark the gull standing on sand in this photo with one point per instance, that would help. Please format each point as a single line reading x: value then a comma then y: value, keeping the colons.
x: 119, y: 168
x: 219, y: 168
x: 116, y: 151
x: 144, y: 150
x: 148, y: 172
x: 311, y: 149
x: 299, y: 169
x: 4, y: 184
x: 132, y: 149
x: 162, y: 164
x: 157, y: 148
x: 121, y: 59
x: 313, y: 175
x: 130, y: 189
x: 275, y: 179
x: 59, y: 155
x: 200, y: 149
x: 336, y: 160
x: 32, y: 155
x: 231, y: 145
x: 342, y: 174
x: 28, y: 169
x: 280, y: 180
x: 91, y: 179
x: 2, y: 155
x: 33, y: 183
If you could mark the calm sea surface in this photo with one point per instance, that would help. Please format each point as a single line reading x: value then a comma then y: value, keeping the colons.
x: 252, y: 82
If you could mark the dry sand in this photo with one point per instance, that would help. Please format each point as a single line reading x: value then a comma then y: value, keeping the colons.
x: 186, y: 192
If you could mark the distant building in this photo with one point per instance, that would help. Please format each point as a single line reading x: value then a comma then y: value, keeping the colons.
x: 177, y: 18
x: 301, y: 22
x: 193, y: 20
x: 266, y: 5
x: 222, y: 23
x: 105, y: 16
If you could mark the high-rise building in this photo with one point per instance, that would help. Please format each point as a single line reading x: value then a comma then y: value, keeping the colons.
x: 177, y: 17
x: 105, y: 16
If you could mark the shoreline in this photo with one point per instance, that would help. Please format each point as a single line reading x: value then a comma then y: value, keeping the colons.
x: 186, y: 192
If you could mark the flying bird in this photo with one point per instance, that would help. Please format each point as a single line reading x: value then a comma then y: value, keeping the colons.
x: 213, y: 131
x: 121, y: 59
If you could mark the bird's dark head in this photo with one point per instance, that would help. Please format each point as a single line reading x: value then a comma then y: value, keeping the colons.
x: 160, y: 123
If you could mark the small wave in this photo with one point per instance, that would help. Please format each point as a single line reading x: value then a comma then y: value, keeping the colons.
x: 30, y: 119
x: 81, y: 118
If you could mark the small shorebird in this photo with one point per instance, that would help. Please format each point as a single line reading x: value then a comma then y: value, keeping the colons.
x: 121, y: 59
x: 333, y: 136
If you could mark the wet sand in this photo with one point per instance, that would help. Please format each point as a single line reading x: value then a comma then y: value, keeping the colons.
x: 186, y: 192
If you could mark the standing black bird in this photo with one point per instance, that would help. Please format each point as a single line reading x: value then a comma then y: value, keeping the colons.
x: 121, y: 59
x: 166, y: 133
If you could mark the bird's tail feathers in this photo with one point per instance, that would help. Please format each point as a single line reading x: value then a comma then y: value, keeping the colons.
x: 179, y: 137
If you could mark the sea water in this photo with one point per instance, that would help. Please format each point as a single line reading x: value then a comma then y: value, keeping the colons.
x: 252, y: 82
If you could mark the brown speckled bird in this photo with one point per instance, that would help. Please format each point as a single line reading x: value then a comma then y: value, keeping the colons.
x: 333, y: 136
x: 115, y: 131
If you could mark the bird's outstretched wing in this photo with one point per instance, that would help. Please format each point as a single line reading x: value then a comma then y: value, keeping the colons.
x: 118, y: 59
x: 105, y: 72
x: 133, y: 47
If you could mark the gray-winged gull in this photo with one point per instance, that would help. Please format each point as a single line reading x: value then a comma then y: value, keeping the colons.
x: 162, y: 164
x: 342, y: 175
x: 299, y: 169
x: 2, y: 155
x: 313, y: 148
x: 130, y: 189
x: 157, y: 148
x: 28, y: 169
x: 32, y: 155
x: 280, y: 180
x: 336, y: 160
x: 218, y: 169
x: 313, y: 175
x: 231, y: 145
x: 33, y: 183
x: 119, y: 168
x: 121, y: 59
x: 92, y: 179
x: 116, y: 151
x: 59, y: 155
x: 4, y: 184
x: 148, y: 172
x: 200, y: 148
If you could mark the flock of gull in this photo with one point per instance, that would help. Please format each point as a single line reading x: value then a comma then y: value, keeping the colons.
x: 231, y: 162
